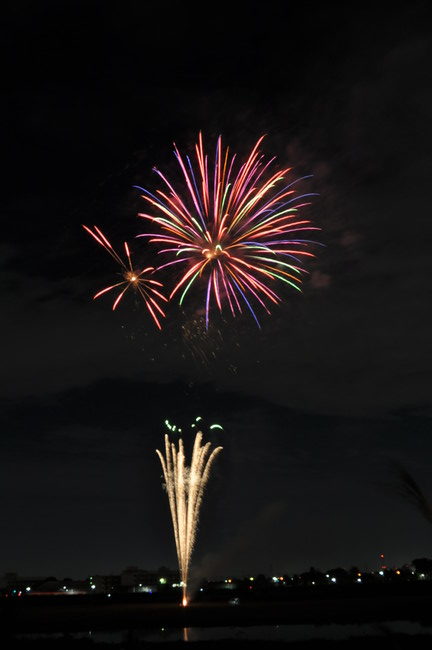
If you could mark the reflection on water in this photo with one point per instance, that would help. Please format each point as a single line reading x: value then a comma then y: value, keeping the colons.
x: 331, y: 631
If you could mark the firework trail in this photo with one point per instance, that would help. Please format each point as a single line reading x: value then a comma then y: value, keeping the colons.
x: 138, y: 280
x: 185, y: 488
x: 236, y: 225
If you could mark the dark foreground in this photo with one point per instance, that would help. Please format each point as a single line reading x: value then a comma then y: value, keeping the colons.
x: 50, y: 615
x: 379, y: 642
x: 69, y: 615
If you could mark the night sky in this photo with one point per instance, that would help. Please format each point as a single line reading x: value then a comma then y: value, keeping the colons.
x: 318, y: 404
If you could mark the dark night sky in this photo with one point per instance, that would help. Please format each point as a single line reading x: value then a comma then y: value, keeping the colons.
x: 318, y: 403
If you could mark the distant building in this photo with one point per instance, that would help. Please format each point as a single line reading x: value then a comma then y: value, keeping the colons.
x: 14, y: 584
x: 17, y: 585
x: 108, y: 584
x: 137, y: 580
x: 12, y: 580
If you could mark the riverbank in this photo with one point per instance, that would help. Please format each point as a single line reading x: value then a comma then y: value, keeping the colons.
x: 50, y: 615
x: 382, y: 641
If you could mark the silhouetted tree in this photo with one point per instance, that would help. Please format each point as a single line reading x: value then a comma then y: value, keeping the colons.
x: 341, y: 575
x: 411, y: 491
x: 423, y: 565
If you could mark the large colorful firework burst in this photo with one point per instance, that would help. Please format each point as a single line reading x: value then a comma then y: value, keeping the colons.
x: 133, y: 278
x: 236, y: 226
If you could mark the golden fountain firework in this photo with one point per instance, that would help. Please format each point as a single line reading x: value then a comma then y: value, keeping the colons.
x: 185, y: 488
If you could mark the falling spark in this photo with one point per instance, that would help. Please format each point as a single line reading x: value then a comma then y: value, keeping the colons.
x: 185, y: 488
x: 132, y: 278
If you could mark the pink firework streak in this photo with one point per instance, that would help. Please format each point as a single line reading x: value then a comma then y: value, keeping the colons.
x: 133, y: 278
x: 236, y: 226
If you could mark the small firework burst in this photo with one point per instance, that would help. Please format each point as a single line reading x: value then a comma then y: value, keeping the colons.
x: 139, y: 280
